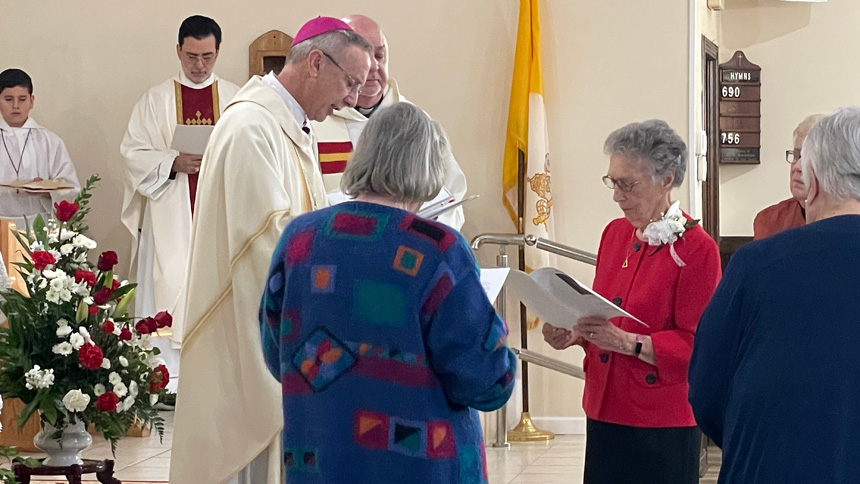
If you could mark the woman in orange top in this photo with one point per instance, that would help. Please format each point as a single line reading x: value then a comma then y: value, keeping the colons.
x: 791, y: 212
x: 660, y: 266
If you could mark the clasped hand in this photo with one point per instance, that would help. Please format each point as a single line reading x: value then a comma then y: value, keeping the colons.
x: 595, y: 330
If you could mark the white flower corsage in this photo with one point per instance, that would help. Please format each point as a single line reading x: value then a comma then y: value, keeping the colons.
x: 667, y: 230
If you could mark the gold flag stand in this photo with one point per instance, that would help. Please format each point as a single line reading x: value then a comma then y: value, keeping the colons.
x: 525, y: 431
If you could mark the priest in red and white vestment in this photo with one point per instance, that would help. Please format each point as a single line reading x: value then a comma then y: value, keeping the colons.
x: 161, y: 183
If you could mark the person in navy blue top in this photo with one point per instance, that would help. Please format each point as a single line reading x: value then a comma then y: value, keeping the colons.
x: 775, y: 373
x: 375, y: 323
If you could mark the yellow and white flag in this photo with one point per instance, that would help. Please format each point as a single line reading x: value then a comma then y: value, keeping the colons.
x: 527, y: 133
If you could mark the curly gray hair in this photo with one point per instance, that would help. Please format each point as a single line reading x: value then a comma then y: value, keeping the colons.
x: 653, y: 142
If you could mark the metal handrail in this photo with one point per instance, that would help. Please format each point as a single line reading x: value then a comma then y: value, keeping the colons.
x: 550, y: 363
x: 536, y: 242
x: 504, y: 240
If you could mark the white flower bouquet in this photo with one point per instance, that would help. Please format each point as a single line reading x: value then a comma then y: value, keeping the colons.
x: 70, y: 352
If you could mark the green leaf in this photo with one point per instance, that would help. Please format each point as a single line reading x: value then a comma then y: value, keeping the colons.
x: 25, y: 240
x: 122, y: 291
x: 49, y: 410
x: 39, y: 231
x: 82, y: 312
x: 122, y: 306
x: 28, y: 411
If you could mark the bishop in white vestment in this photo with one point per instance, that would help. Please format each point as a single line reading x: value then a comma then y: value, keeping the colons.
x: 259, y: 171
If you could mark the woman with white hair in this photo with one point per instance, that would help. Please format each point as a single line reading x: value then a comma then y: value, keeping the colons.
x: 774, y: 377
x: 660, y: 266
x: 375, y: 323
x: 791, y: 212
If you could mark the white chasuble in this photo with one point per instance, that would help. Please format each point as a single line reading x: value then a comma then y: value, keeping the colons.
x: 259, y: 171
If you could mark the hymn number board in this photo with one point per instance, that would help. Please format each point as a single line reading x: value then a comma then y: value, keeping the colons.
x: 740, y: 111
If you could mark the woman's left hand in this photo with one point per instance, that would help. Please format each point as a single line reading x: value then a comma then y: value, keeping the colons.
x: 604, y: 334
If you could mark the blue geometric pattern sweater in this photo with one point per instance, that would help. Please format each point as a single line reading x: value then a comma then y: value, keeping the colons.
x: 375, y: 322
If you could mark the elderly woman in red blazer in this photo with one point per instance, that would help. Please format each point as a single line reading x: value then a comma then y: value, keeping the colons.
x: 660, y: 266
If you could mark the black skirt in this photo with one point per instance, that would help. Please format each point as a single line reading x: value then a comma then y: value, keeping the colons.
x: 618, y: 454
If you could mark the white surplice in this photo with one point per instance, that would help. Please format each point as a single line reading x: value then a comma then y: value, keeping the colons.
x: 156, y: 210
x: 346, y: 124
x: 260, y: 170
x: 28, y: 152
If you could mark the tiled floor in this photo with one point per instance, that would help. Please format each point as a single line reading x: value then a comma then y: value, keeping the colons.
x: 555, y: 462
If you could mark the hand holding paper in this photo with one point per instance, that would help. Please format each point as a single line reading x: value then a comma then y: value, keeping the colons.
x: 559, y: 299
x: 191, y: 139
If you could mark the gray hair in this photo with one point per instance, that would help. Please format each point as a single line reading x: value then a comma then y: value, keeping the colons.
x: 803, y: 128
x: 832, y: 149
x: 334, y: 43
x: 654, y: 142
x: 400, y: 154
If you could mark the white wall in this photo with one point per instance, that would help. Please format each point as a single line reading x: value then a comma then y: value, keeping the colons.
x: 808, y: 54
x: 606, y: 64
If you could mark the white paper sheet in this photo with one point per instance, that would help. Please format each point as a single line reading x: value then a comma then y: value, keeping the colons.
x: 436, y: 210
x: 191, y: 139
x: 559, y: 299
x: 492, y: 279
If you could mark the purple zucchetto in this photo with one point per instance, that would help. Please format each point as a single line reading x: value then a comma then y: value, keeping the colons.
x: 317, y: 26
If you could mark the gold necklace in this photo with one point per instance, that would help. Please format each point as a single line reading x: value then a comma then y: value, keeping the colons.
x: 624, y: 265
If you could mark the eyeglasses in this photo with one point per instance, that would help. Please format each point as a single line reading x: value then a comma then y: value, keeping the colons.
x: 625, y: 185
x: 195, y: 58
x: 792, y: 155
x: 353, y: 84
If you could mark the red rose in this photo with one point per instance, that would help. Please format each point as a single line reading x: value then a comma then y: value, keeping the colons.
x: 145, y: 326
x: 88, y: 276
x: 164, y: 319
x: 107, y: 260
x: 107, y: 402
x: 114, y: 284
x: 42, y: 259
x: 160, y: 377
x: 65, y: 210
x: 108, y: 327
x: 91, y: 356
x: 125, y: 334
x: 102, y: 296
x: 93, y: 309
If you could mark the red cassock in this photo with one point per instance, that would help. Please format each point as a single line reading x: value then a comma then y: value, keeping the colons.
x: 622, y: 389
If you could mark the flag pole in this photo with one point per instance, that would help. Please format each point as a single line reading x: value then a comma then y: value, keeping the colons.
x: 525, y: 430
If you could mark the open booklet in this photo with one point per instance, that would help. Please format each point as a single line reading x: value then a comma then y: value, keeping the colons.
x: 560, y: 300
x: 39, y: 185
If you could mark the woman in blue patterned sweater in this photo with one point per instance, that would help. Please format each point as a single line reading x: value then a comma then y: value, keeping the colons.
x: 375, y: 323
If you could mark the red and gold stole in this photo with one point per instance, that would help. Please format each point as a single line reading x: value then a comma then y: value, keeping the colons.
x: 333, y: 156
x: 196, y: 107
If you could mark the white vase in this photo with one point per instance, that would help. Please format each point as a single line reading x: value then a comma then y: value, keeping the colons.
x: 67, y: 450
